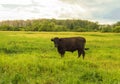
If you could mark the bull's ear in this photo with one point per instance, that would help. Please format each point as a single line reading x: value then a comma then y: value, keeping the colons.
x: 52, y: 39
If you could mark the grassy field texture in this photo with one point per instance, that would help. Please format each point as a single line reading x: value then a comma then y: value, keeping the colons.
x: 30, y: 58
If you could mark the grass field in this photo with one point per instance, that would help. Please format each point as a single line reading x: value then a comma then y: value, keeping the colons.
x: 30, y: 58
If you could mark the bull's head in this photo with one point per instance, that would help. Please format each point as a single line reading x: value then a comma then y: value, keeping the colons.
x: 56, y: 41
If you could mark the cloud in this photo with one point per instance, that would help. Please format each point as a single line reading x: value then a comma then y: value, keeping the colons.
x: 114, y: 14
x: 43, y: 9
x: 99, y: 10
x: 20, y: 2
x: 95, y: 10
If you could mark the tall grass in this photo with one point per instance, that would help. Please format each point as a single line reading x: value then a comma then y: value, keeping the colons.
x: 30, y: 58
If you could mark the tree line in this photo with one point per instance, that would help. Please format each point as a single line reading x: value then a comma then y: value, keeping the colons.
x: 57, y: 25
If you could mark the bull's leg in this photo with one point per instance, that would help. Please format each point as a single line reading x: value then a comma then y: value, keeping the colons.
x: 62, y: 53
x: 79, y: 53
x: 83, y: 53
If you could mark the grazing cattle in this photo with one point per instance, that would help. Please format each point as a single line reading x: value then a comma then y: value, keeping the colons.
x: 70, y: 44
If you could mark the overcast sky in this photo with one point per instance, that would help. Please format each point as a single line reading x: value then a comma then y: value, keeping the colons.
x: 102, y: 11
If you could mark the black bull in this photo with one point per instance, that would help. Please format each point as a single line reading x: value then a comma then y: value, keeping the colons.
x: 70, y: 44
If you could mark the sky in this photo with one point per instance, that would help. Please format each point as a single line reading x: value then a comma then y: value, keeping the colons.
x: 101, y: 11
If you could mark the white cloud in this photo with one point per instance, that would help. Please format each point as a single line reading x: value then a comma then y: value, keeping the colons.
x: 23, y: 2
x: 40, y: 9
x: 76, y: 9
x: 97, y: 10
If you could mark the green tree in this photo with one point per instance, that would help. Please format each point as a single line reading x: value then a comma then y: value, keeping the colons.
x: 116, y: 29
x: 47, y: 26
x: 6, y: 28
x: 106, y: 28
x: 79, y: 29
x: 60, y: 28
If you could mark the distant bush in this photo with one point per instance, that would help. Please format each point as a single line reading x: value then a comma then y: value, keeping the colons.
x: 57, y: 25
x: 116, y: 29
x: 106, y: 29
x: 48, y: 25
x: 79, y: 29
x: 6, y: 27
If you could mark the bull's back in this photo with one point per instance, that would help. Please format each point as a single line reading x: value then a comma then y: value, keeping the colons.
x: 72, y: 43
x: 74, y: 40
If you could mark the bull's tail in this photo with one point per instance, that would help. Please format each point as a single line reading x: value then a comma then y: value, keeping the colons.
x: 86, y: 48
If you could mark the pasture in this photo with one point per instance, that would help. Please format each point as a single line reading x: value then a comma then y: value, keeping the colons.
x: 30, y: 58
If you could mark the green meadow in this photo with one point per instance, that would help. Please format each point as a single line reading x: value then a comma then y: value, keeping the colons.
x: 31, y: 58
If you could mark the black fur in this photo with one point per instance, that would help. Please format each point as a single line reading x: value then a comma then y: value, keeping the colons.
x: 70, y: 44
